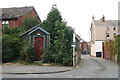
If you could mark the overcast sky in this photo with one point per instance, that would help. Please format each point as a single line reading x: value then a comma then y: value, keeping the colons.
x: 78, y: 13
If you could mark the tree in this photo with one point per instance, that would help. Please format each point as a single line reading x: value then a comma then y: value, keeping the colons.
x: 14, y: 47
x: 60, y: 50
x: 30, y: 22
x: 11, y: 45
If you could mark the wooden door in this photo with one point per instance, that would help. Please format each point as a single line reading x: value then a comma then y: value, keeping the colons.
x: 39, y: 43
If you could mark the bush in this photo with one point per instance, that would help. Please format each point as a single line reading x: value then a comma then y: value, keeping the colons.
x: 24, y: 50
x: 13, y: 48
x: 67, y: 61
x: 11, y: 44
x: 47, y: 56
x: 10, y: 48
x: 30, y: 56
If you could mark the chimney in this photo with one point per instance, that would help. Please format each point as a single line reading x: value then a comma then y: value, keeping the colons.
x: 93, y: 17
x: 103, y: 19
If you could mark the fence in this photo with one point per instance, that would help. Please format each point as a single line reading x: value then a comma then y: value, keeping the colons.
x: 109, y: 50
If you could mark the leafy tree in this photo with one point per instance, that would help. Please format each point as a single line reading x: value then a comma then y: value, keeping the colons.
x: 60, y: 50
x: 31, y: 22
x: 11, y: 45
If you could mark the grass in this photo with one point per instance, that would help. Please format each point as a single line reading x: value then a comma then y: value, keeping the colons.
x: 27, y: 63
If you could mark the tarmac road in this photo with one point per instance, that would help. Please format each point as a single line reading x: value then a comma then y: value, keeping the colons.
x: 89, y: 67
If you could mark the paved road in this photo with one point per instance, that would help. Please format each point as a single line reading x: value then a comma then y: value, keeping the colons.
x: 89, y: 67
x: 33, y: 69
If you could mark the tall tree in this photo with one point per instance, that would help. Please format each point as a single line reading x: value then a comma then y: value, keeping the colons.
x: 31, y: 22
x: 60, y: 50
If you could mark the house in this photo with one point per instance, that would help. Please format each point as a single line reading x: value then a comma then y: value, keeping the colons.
x: 15, y: 16
x: 39, y: 38
x: 102, y: 30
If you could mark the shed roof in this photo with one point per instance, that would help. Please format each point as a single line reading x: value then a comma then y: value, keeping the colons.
x: 15, y: 12
x: 35, y: 28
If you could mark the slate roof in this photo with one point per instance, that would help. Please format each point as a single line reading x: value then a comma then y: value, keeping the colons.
x: 15, y: 12
x: 107, y: 23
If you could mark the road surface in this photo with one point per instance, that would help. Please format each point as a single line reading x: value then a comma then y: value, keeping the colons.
x: 89, y: 67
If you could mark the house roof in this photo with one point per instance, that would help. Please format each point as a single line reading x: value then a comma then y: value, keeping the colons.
x: 15, y: 12
x: 35, y: 28
x: 107, y: 23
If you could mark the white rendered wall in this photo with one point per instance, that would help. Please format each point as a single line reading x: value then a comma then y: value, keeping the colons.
x: 99, y: 47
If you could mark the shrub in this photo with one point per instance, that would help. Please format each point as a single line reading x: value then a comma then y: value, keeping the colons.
x: 30, y: 56
x: 117, y: 46
x: 10, y: 48
x: 47, y: 56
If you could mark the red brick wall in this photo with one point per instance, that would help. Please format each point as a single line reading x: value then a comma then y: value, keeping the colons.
x: 108, y: 54
x: 84, y: 47
x: 13, y: 23
x: 19, y: 22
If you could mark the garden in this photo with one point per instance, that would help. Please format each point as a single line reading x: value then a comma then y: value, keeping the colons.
x: 59, y: 52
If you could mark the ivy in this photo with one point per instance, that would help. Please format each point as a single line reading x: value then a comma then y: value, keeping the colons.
x: 117, y: 46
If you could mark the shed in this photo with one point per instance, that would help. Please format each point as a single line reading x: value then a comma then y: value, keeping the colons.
x: 39, y: 38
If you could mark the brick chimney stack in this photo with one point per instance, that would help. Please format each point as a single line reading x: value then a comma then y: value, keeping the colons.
x: 103, y: 19
x: 93, y: 17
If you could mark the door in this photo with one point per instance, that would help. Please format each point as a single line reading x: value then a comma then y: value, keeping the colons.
x: 39, y: 43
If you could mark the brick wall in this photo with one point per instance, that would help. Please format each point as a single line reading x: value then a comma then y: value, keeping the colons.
x: 19, y: 21
x: 109, y: 50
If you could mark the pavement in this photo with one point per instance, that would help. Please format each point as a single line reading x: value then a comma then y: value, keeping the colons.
x: 33, y: 69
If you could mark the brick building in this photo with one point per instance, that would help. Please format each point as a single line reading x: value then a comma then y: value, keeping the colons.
x: 15, y: 16
x: 102, y: 30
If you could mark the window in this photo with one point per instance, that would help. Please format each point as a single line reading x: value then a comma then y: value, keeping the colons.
x: 114, y: 28
x: 5, y: 23
x: 108, y: 35
x: 114, y: 34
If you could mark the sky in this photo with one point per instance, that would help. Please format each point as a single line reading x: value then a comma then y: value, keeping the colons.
x: 77, y: 13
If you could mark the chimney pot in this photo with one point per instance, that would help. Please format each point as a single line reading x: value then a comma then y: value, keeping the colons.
x: 103, y: 18
x: 93, y: 17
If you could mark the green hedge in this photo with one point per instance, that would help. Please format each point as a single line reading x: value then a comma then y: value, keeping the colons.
x: 117, y: 45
